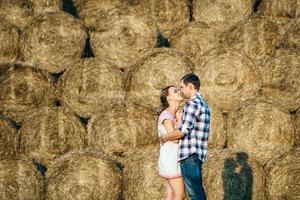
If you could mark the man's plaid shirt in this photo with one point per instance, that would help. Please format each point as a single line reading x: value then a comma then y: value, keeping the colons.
x: 195, y: 123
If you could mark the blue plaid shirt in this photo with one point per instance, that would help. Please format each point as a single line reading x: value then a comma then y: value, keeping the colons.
x: 195, y: 126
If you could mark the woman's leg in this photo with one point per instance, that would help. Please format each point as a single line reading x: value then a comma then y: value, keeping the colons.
x: 178, y: 188
x: 170, y: 194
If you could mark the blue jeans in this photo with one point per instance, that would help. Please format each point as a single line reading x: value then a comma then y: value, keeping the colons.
x: 191, y: 170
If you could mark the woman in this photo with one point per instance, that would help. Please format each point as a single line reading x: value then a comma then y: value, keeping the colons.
x: 167, y: 163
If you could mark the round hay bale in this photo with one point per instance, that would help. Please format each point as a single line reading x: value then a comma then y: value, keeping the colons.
x: 261, y: 129
x: 281, y: 79
x: 141, y: 178
x: 119, y: 129
x: 122, y: 36
x: 44, y: 6
x: 20, y: 180
x: 256, y: 36
x: 291, y: 38
x: 167, y: 15
x: 7, y: 139
x: 280, y: 11
x: 160, y: 68
x: 227, y: 77
x: 91, y: 85
x: 54, y: 41
x: 9, y: 42
x: 90, y: 10
x: 24, y: 90
x: 196, y: 39
x: 221, y: 14
x: 231, y: 174
x: 284, y: 176
x: 297, y: 125
x: 83, y: 176
x: 217, y: 131
x: 49, y: 133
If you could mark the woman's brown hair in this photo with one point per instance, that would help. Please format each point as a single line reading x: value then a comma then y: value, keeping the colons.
x: 163, y: 99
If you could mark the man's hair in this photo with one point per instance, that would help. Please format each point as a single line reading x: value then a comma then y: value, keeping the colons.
x: 193, y: 79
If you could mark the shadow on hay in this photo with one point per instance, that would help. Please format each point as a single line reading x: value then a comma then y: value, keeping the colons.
x: 237, y: 178
x: 69, y: 7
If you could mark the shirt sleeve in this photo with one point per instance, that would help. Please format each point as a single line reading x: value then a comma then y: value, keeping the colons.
x: 188, y: 118
x: 165, y: 115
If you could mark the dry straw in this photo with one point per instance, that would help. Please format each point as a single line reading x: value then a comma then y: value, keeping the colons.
x: 20, y: 12
x: 196, y: 39
x: 228, y: 78
x: 284, y: 176
x: 54, y: 41
x: 167, y: 15
x: 122, y: 36
x: 141, y: 178
x: 231, y: 174
x: 7, y: 139
x: 160, y: 68
x: 256, y: 36
x: 281, y: 79
x: 261, y: 129
x: 20, y: 180
x: 91, y: 85
x: 297, y: 125
x: 49, y: 133
x: 291, y: 38
x: 9, y: 42
x: 84, y: 176
x: 90, y: 10
x: 221, y: 14
x: 24, y: 89
x: 119, y: 129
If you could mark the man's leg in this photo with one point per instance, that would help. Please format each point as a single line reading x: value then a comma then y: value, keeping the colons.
x: 191, y: 169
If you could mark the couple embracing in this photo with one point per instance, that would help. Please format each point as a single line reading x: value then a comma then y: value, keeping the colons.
x: 184, y: 137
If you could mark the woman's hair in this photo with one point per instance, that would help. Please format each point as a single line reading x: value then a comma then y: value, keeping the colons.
x: 163, y: 99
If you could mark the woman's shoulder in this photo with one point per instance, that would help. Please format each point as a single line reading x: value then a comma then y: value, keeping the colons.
x: 165, y: 115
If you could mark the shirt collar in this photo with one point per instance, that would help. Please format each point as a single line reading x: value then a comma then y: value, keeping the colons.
x: 195, y: 95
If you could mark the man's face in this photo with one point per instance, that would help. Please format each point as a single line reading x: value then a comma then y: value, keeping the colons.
x: 184, y: 90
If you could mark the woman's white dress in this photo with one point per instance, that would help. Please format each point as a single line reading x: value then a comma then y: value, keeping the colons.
x: 168, y: 164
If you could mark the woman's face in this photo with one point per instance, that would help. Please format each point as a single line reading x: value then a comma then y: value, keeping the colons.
x: 174, y: 94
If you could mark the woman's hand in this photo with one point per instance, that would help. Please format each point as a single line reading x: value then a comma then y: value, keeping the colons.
x: 178, y: 116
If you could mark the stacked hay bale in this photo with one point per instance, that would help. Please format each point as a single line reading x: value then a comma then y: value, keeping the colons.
x: 262, y: 130
x: 119, y: 129
x: 122, y: 36
x: 291, y: 39
x: 7, y: 139
x: 9, y: 42
x: 91, y: 85
x: 24, y: 90
x: 160, y: 68
x: 231, y: 174
x: 83, y: 175
x: 228, y: 78
x: 49, y: 133
x: 54, y: 42
x: 20, y: 180
x: 284, y: 179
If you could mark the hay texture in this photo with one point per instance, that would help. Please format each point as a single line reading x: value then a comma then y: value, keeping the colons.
x: 122, y: 36
x: 281, y: 79
x: 141, y: 178
x: 262, y: 130
x: 21, y: 12
x: 284, y: 176
x: 231, y: 174
x: 221, y: 14
x: 119, y: 129
x: 196, y: 39
x: 7, y: 139
x: 297, y: 125
x: 90, y: 10
x: 20, y: 180
x: 280, y: 11
x: 160, y: 68
x: 54, y: 41
x: 83, y: 176
x: 256, y: 36
x: 291, y: 38
x: 24, y: 89
x: 9, y: 42
x: 228, y: 78
x: 49, y: 133
x: 91, y: 85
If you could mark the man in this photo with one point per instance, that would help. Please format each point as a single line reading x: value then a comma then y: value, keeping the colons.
x: 193, y: 133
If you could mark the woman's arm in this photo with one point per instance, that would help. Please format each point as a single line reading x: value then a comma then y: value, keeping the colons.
x: 169, y: 127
